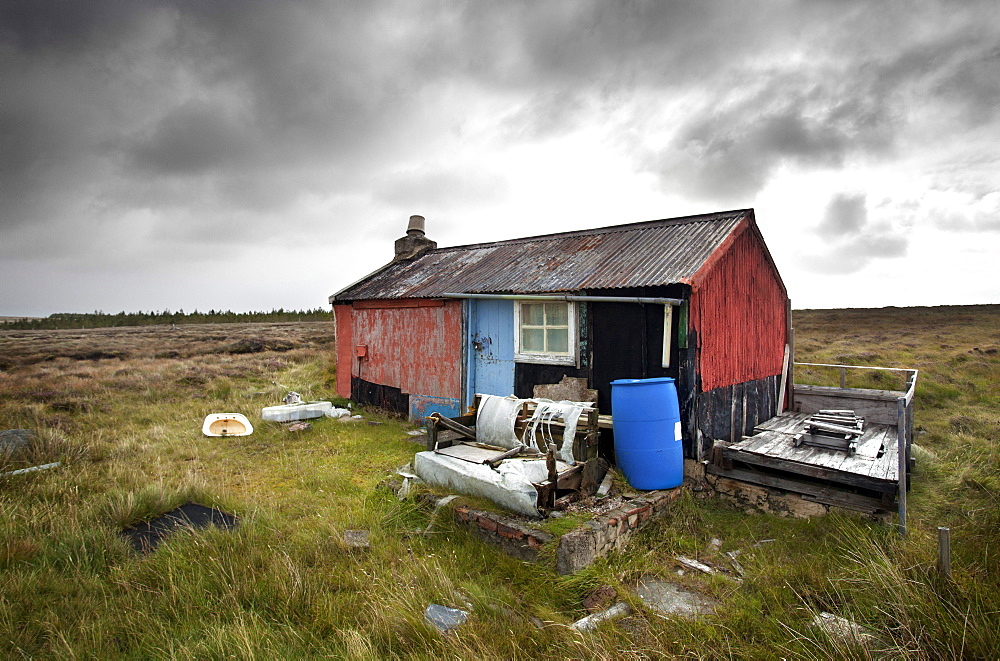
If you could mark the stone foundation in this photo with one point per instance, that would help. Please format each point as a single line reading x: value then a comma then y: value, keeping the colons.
x: 576, y: 549
x: 512, y: 536
x: 610, y: 532
x: 752, y: 497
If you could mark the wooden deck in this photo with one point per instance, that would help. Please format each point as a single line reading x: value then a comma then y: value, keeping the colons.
x: 868, y: 480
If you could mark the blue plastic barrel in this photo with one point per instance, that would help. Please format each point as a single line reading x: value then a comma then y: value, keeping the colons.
x: 647, y: 425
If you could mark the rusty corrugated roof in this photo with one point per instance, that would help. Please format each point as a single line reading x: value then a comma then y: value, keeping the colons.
x: 657, y: 252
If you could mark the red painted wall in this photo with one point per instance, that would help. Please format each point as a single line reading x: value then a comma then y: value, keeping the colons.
x: 738, y: 308
x: 412, y: 344
x: 343, y: 315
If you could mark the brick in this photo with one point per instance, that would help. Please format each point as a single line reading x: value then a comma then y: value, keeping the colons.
x: 533, y: 541
x: 612, y: 521
x: 633, y: 520
x: 510, y: 533
x: 645, y: 514
x: 487, y: 523
x: 462, y: 513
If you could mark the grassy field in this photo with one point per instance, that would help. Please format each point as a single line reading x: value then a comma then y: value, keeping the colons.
x: 122, y: 409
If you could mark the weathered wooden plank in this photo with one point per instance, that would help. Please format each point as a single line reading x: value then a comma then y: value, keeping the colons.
x: 786, y: 422
x: 828, y: 495
x: 848, y: 500
x: 763, y: 443
x: 803, y: 468
x: 886, y: 467
x: 753, y: 443
x: 870, y: 394
x: 876, y: 406
x: 871, y: 441
x: 833, y: 459
x: 859, y: 465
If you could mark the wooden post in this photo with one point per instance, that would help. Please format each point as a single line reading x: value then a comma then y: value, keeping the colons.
x: 901, y: 445
x: 550, y: 465
x: 682, y: 327
x: 843, y: 377
x: 944, y: 551
x: 786, y: 368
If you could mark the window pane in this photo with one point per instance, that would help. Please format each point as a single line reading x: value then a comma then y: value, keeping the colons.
x: 532, y: 340
x: 532, y: 314
x: 556, y: 314
x: 558, y: 340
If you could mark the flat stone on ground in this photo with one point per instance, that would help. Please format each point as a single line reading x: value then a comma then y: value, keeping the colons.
x: 445, y: 619
x: 357, y: 538
x: 671, y: 599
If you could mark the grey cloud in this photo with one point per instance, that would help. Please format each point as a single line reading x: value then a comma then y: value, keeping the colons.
x: 207, y: 118
x: 191, y: 139
x: 437, y: 187
x: 851, y: 241
x: 855, y: 254
x: 845, y: 215
x: 968, y: 220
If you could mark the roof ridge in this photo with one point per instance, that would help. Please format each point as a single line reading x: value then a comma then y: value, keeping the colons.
x: 609, y: 229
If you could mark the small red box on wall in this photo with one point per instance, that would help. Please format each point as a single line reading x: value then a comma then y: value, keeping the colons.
x: 361, y: 351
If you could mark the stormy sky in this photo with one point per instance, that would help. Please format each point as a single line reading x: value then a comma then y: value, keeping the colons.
x: 255, y: 155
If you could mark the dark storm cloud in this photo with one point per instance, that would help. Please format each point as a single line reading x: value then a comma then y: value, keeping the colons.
x: 142, y: 124
x: 191, y: 139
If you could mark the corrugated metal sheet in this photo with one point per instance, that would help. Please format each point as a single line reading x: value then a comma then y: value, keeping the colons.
x: 738, y: 307
x: 417, y: 349
x: 658, y: 252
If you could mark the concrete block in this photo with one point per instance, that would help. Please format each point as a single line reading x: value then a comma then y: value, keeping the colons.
x: 577, y: 549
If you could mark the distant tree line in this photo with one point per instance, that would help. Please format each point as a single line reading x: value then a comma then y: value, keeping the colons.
x: 100, y: 319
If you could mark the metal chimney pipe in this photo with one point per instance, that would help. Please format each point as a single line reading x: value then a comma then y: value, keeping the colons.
x: 416, y: 226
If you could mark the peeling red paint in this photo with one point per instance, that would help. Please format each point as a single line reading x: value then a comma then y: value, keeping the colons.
x: 738, y: 308
x: 343, y: 316
x: 412, y: 345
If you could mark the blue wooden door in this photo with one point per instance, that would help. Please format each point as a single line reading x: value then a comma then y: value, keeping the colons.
x: 491, y: 348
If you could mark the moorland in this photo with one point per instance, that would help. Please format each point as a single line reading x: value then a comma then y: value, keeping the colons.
x: 121, y: 409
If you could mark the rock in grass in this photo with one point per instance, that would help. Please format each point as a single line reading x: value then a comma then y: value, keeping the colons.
x: 671, y: 599
x: 15, y: 441
x: 357, y: 538
x: 445, y: 619
x: 600, y: 599
x: 840, y: 627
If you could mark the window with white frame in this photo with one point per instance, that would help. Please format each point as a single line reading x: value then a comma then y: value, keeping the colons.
x: 545, y: 332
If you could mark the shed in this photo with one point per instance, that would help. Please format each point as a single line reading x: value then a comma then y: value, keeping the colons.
x: 696, y: 298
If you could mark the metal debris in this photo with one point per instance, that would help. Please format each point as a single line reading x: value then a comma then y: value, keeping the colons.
x: 694, y: 564
x: 32, y: 469
x: 735, y: 563
x: 589, y: 623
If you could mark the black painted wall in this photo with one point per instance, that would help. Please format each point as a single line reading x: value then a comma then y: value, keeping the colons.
x: 384, y: 397
x: 722, y: 415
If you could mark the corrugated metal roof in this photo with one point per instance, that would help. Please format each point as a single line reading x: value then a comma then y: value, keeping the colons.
x: 658, y: 252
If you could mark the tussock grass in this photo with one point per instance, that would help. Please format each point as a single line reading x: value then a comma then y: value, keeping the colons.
x: 283, y: 583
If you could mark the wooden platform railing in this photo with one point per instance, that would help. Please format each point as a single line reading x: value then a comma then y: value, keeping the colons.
x: 904, y: 437
x: 904, y: 422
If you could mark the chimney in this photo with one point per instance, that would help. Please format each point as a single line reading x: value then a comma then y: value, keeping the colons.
x: 414, y: 244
